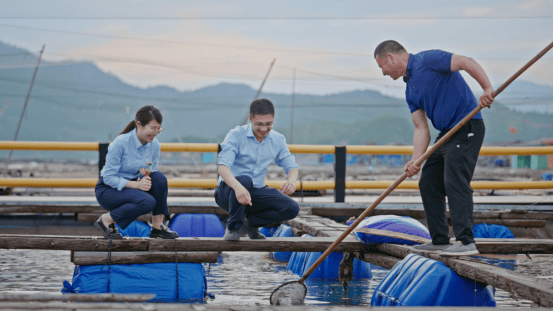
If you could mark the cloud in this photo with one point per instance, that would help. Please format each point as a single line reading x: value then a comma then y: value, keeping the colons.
x: 476, y: 11
x: 534, y: 5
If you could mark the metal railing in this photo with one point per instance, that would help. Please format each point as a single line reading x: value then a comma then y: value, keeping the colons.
x: 339, y: 185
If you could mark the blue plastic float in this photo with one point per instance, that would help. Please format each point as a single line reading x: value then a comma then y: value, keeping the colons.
x: 300, y: 262
x: 484, y: 230
x: 153, y: 278
x: 392, y: 223
x: 282, y: 256
x: 197, y: 225
x: 419, y: 281
x: 268, y: 231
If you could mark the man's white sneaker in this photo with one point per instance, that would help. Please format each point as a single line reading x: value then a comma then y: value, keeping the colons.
x: 430, y: 247
x: 458, y: 249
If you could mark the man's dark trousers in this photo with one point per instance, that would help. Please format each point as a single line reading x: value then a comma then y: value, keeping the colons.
x: 269, y: 205
x: 448, y: 172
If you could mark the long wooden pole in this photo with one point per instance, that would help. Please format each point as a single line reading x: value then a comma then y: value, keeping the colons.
x: 25, y: 105
x: 259, y: 90
x: 418, y: 163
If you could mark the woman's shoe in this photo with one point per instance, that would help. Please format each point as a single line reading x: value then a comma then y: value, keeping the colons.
x: 164, y: 233
x: 110, y: 233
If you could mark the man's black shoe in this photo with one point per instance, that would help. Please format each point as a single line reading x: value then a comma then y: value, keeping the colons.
x: 164, y: 233
x: 110, y: 233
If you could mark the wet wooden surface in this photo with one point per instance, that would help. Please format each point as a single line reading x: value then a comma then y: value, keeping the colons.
x: 140, y: 257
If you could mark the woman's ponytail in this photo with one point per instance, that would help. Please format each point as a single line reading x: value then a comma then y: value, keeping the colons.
x: 129, y: 127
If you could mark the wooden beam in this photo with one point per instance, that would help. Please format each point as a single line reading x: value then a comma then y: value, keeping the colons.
x: 288, y: 244
x: 419, y: 213
x: 139, y: 257
x: 523, y: 286
x: 7, y: 297
x: 92, y: 217
x: 76, y: 243
x: 82, y: 243
x: 96, y: 209
x: 377, y: 258
x: 513, y: 222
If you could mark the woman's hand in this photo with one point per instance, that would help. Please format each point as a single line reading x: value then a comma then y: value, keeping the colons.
x: 144, y: 184
x: 145, y: 172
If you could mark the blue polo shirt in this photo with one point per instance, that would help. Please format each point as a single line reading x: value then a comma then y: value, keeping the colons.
x: 244, y: 155
x: 442, y: 94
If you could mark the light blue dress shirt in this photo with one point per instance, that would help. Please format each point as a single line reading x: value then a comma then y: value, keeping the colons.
x: 244, y: 155
x: 126, y: 155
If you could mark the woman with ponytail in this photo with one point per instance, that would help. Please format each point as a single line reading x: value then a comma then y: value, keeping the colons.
x: 130, y: 185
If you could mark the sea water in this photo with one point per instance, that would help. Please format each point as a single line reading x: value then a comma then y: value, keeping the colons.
x: 241, y: 279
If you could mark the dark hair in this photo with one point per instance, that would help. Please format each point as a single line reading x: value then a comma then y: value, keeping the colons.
x: 388, y: 46
x: 262, y: 107
x: 145, y: 114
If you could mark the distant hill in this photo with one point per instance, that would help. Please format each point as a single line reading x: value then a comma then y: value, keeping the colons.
x: 79, y: 102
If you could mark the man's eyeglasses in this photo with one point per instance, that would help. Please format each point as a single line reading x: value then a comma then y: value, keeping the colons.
x: 269, y: 125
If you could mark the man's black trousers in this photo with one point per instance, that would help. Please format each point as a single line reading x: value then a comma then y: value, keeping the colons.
x: 448, y: 172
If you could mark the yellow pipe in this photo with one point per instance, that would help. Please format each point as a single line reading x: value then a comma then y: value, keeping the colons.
x: 530, y: 150
x: 49, y: 146
x: 380, y: 184
x: 192, y: 183
x: 307, y: 185
x: 379, y: 149
x: 189, y: 147
x: 23, y: 182
x: 311, y: 149
x: 294, y: 148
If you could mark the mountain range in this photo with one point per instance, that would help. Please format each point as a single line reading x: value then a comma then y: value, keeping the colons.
x: 76, y: 101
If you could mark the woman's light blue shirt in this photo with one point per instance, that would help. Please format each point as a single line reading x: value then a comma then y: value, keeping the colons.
x: 244, y: 155
x: 126, y: 155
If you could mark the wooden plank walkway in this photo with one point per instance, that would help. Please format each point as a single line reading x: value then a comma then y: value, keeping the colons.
x: 523, y: 286
x: 88, y: 210
x: 318, y: 200
x: 325, y: 236
x: 138, y: 257
x: 87, y: 243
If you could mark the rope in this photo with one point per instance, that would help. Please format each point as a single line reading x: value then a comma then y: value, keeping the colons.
x: 177, y: 269
x: 109, y: 264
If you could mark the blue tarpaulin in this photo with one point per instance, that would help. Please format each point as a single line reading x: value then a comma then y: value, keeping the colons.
x: 392, y: 223
x: 152, y: 278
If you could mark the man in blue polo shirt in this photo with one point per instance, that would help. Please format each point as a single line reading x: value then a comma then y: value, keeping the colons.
x: 435, y: 89
x: 242, y: 165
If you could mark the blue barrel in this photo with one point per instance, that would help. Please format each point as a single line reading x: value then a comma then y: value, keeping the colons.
x: 281, y: 256
x: 197, y: 225
x: 419, y: 281
x: 156, y: 278
x: 300, y: 262
x: 135, y: 229
x: 484, y: 230
x: 268, y: 231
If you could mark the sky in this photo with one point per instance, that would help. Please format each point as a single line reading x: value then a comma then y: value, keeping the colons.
x: 328, y: 44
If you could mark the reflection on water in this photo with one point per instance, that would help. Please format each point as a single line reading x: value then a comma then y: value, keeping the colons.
x: 242, y: 278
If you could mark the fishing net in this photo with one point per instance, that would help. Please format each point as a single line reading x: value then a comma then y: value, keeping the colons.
x: 291, y: 293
